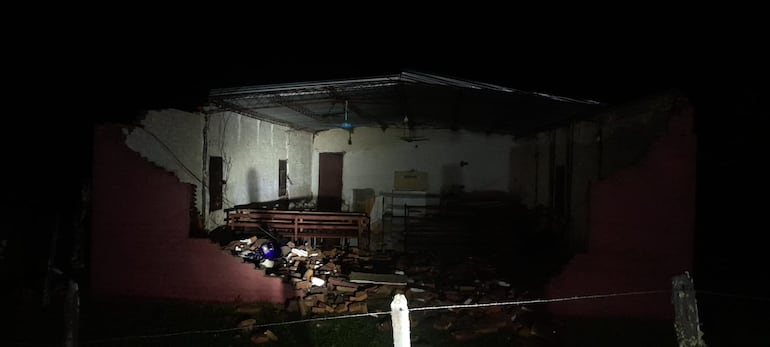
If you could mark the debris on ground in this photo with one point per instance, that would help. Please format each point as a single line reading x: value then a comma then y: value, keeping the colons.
x: 348, y: 280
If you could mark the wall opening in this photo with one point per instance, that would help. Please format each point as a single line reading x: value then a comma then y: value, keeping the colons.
x: 215, y: 183
x: 329, y: 181
x: 282, y: 178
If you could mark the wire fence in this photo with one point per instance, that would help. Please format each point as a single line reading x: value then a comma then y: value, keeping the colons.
x: 153, y: 339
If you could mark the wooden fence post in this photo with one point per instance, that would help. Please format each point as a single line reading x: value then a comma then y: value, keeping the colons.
x: 71, y: 314
x: 399, y: 314
x: 50, y: 271
x: 686, y: 324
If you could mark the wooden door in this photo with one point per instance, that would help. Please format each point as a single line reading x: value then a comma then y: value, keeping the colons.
x: 329, y: 181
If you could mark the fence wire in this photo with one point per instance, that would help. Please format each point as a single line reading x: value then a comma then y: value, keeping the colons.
x: 377, y: 314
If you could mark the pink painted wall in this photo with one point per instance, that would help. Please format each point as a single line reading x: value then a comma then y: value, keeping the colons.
x: 641, y: 231
x: 140, y: 244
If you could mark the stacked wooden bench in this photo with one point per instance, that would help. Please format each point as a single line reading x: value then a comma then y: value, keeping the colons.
x: 300, y: 224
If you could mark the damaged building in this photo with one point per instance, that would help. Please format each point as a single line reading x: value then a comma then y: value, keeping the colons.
x: 432, y: 162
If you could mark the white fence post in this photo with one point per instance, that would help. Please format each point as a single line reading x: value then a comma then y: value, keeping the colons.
x: 399, y: 314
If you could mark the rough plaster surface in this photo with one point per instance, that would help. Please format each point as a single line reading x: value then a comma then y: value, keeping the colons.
x: 374, y: 155
x: 601, y: 146
x: 250, y: 150
x: 641, y: 229
x: 173, y: 140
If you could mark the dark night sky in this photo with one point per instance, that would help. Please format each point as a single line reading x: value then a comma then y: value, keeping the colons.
x: 63, y: 84
x: 121, y: 79
x: 109, y: 68
x: 72, y: 78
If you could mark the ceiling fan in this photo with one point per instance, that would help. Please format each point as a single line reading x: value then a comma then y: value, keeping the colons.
x: 345, y: 123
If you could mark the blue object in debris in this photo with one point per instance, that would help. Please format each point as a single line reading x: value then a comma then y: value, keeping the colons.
x: 250, y: 256
x: 268, y: 251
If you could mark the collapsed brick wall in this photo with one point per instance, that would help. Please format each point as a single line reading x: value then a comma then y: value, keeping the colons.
x: 140, y: 236
x: 641, y: 230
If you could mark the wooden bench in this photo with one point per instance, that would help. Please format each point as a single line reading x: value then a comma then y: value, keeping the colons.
x: 300, y: 224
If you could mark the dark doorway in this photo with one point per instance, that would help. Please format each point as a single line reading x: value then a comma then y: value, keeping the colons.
x: 282, y: 193
x: 559, y: 198
x: 215, y: 183
x: 329, y: 181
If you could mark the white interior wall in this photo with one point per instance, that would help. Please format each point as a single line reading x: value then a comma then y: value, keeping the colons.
x: 523, y: 174
x: 250, y: 150
x: 373, y: 157
x: 173, y: 140
x: 299, y: 148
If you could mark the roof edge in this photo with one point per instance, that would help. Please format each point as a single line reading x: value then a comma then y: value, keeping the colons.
x: 385, y: 80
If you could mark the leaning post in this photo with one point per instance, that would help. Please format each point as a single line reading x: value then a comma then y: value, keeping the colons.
x: 688, y: 332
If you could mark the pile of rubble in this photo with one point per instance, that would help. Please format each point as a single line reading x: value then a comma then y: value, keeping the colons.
x: 350, y: 280
x: 318, y: 276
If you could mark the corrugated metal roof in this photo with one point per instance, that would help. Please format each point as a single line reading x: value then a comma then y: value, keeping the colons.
x: 429, y: 100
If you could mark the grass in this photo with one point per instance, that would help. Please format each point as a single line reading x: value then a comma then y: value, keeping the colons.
x: 131, y: 322
x: 618, y: 332
x: 103, y: 321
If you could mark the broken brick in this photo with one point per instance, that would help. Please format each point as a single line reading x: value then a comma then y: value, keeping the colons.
x: 341, y: 308
x: 247, y: 325
x: 359, y: 296
x: 301, y: 285
x: 358, y: 307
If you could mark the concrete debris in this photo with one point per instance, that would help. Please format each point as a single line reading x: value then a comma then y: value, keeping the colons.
x: 247, y: 325
x: 376, y: 278
x: 349, y: 280
x: 267, y: 336
x: 317, y: 281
